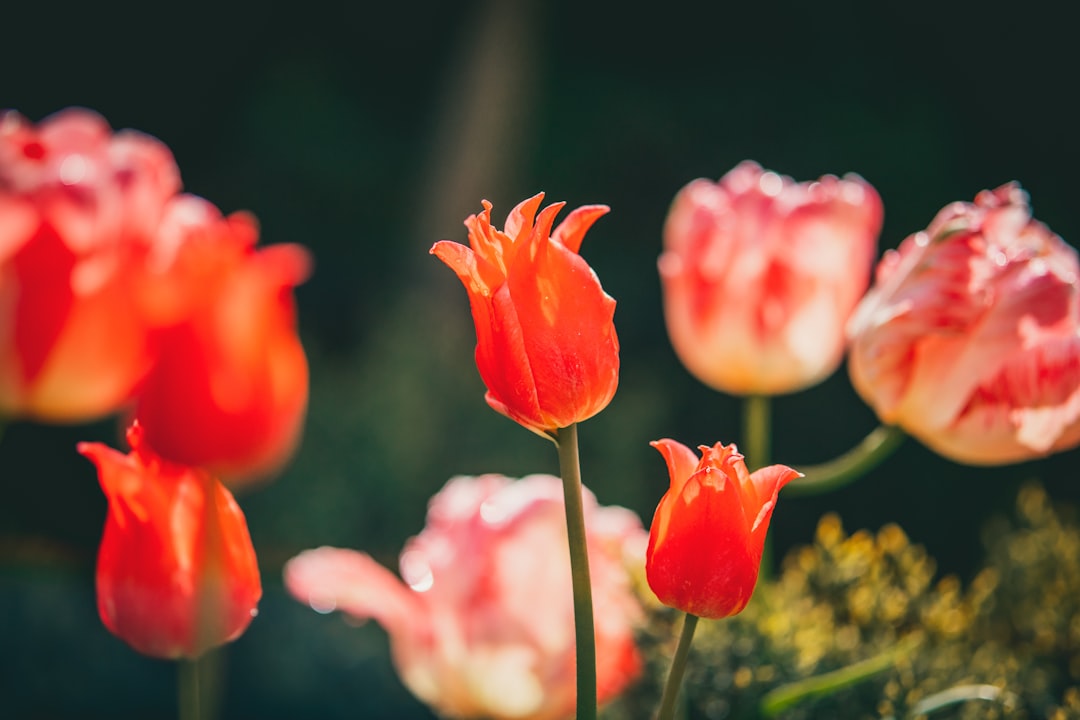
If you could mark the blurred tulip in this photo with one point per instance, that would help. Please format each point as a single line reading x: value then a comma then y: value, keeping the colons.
x: 78, y: 210
x: 760, y: 273
x: 546, y: 344
x: 970, y: 338
x: 176, y: 571
x: 229, y: 389
x: 709, y: 530
x: 485, y: 626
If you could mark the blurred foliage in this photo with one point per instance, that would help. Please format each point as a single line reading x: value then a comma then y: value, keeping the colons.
x: 336, y: 124
x: 1004, y: 645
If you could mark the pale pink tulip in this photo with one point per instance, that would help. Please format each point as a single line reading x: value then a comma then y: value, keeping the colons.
x: 970, y: 338
x: 79, y: 207
x: 760, y: 274
x: 483, y: 626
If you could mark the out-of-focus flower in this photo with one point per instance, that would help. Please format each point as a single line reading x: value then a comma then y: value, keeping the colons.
x: 545, y: 339
x: 709, y: 530
x: 229, y: 388
x: 176, y: 571
x: 485, y: 626
x: 970, y: 338
x: 760, y: 274
x: 78, y: 210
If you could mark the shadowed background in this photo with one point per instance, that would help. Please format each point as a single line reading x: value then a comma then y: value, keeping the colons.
x: 367, y: 132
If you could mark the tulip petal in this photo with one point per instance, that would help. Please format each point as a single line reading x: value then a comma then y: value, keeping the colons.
x: 571, y: 231
x: 520, y: 219
x: 569, y: 337
x: 681, y: 461
x: 767, y: 483
x: 331, y: 579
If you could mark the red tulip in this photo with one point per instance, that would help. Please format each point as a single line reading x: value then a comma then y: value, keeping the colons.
x: 709, y: 530
x: 546, y: 345
x: 176, y: 571
x: 760, y: 274
x: 483, y: 626
x: 79, y: 207
x: 970, y: 338
x: 229, y: 389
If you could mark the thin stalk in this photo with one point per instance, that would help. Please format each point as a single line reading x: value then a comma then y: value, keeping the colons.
x: 756, y: 431
x: 757, y: 450
x: 678, y: 668
x: 570, y: 467
x: 850, y: 466
x: 962, y: 694
x: 188, y: 687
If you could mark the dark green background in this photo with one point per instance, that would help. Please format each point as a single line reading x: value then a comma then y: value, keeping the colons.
x: 368, y: 131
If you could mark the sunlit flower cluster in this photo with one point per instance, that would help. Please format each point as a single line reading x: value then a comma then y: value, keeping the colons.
x: 121, y: 296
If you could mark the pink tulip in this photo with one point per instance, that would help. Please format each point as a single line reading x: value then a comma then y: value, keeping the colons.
x: 970, y: 338
x: 484, y: 626
x: 761, y: 273
x: 79, y: 207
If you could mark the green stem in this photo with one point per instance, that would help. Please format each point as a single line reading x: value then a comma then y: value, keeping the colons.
x: 570, y: 467
x: 756, y: 429
x: 188, y: 686
x: 780, y: 699
x: 757, y: 449
x: 853, y: 464
x: 678, y: 668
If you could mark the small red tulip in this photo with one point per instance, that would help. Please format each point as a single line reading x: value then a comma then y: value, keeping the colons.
x: 709, y: 529
x: 546, y: 345
x: 229, y: 389
x: 176, y: 571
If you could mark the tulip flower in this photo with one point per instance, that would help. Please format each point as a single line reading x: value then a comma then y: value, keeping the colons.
x: 760, y: 274
x: 970, y: 337
x: 546, y: 345
x: 483, y: 626
x: 229, y: 388
x: 79, y: 207
x: 176, y: 571
x: 709, y: 529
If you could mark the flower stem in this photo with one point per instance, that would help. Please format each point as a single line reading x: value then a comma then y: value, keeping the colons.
x: 570, y: 467
x: 188, y: 686
x: 757, y: 449
x: 756, y: 429
x: 853, y: 464
x: 678, y: 667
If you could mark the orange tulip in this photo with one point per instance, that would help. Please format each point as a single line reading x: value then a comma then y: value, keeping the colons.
x: 176, y: 571
x: 229, y: 389
x: 546, y: 345
x: 79, y: 207
x: 760, y: 274
x: 970, y: 338
x: 709, y: 529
